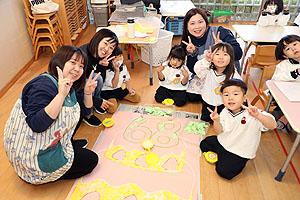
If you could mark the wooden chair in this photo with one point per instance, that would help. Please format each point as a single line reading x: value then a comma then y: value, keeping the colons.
x: 45, y: 42
x: 50, y: 18
x: 264, y: 56
x: 246, y: 65
x: 47, y: 37
x: 264, y: 95
x: 45, y: 30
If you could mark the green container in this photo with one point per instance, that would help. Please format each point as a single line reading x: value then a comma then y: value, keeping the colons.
x: 210, y: 19
x: 221, y: 16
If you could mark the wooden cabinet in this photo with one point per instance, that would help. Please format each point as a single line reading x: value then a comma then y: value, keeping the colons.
x: 73, y: 17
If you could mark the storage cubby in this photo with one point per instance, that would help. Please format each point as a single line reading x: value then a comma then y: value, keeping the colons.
x: 73, y: 17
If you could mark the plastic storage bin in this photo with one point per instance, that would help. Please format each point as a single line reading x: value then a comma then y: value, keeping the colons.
x: 175, y: 24
x: 100, y: 14
x: 160, y: 50
x: 221, y: 16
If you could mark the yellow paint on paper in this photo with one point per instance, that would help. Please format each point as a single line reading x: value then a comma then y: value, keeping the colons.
x: 132, y: 156
x: 109, y: 192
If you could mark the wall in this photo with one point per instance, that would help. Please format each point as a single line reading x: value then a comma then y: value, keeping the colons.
x: 15, y: 44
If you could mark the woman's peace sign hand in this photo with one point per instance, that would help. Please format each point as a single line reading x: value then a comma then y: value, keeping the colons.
x: 216, y: 39
x: 190, y: 47
x: 214, y: 114
x: 64, y: 84
x: 105, y: 61
x: 91, y: 83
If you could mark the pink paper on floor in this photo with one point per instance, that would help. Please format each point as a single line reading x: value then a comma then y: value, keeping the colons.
x: 123, y: 173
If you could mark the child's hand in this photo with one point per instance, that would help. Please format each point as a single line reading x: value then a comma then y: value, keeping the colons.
x: 105, y: 104
x: 210, y: 55
x: 216, y: 39
x: 252, y: 110
x: 286, y: 8
x: 161, y: 68
x: 190, y: 47
x: 131, y: 91
x: 64, y: 84
x: 214, y: 114
x: 266, y: 10
x: 184, y: 72
x: 91, y: 84
x: 116, y: 66
x: 105, y: 61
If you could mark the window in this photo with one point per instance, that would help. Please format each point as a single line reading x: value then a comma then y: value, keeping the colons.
x: 244, y: 10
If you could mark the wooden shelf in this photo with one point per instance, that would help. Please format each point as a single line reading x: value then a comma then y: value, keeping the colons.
x: 73, y: 16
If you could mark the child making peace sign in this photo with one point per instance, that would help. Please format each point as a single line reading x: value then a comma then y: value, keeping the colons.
x: 238, y: 127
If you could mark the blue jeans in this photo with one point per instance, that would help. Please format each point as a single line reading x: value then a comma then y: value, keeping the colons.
x: 97, y: 100
x: 237, y: 66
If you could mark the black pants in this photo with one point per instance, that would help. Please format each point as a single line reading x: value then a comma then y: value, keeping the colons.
x: 179, y: 96
x: 229, y: 164
x: 116, y: 93
x: 194, y: 97
x: 84, y: 162
x: 205, y: 112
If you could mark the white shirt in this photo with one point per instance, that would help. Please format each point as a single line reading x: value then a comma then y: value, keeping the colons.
x: 211, y: 90
x: 123, y: 77
x: 238, y: 138
x: 273, y: 20
x: 283, y: 71
x: 173, y: 78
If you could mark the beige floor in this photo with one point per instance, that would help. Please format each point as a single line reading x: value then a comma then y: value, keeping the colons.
x: 255, y: 182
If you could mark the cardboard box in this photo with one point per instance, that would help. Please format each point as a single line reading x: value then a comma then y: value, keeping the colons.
x: 221, y: 16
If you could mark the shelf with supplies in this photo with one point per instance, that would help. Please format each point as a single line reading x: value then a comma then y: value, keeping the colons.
x: 74, y: 19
